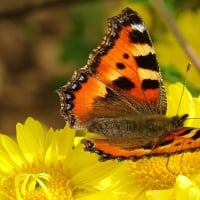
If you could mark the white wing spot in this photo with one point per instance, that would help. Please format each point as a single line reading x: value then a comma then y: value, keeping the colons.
x: 138, y: 27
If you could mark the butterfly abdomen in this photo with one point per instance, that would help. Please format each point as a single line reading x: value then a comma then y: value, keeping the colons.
x: 139, y: 131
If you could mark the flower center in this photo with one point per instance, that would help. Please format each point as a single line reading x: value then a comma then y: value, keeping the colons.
x: 160, y: 172
x: 37, y: 182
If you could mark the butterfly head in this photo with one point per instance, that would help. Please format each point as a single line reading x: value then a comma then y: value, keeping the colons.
x: 179, y: 121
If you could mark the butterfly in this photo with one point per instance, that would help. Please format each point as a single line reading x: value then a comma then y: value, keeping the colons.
x: 119, y: 95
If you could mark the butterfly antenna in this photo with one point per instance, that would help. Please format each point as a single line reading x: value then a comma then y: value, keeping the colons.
x: 184, y: 85
x: 168, y: 168
x: 181, y: 165
x: 189, y: 118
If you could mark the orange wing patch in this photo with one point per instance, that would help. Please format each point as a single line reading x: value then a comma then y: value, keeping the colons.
x: 108, y: 151
x: 84, y: 98
x: 77, y: 100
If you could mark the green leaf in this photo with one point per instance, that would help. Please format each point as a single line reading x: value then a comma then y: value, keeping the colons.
x: 172, y: 75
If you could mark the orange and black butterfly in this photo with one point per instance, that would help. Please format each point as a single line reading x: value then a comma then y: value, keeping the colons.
x: 119, y: 95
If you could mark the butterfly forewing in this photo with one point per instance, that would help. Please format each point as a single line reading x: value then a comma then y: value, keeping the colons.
x: 128, y: 65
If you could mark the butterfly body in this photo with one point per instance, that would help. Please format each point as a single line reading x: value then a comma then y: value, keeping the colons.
x: 119, y: 95
x: 134, y: 131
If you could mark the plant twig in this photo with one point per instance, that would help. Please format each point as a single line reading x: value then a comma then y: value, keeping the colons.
x: 169, y: 21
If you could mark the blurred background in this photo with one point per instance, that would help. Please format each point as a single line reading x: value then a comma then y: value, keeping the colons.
x: 42, y: 42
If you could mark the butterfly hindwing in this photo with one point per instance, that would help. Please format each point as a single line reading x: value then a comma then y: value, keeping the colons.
x: 177, y: 141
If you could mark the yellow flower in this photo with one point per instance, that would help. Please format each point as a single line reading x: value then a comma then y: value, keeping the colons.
x: 184, y: 189
x: 182, y: 105
x: 44, y: 164
x: 167, y: 177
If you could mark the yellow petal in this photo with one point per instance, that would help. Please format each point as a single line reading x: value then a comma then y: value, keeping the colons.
x: 30, y: 137
x: 12, y: 150
x: 185, y: 189
x: 178, y: 104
